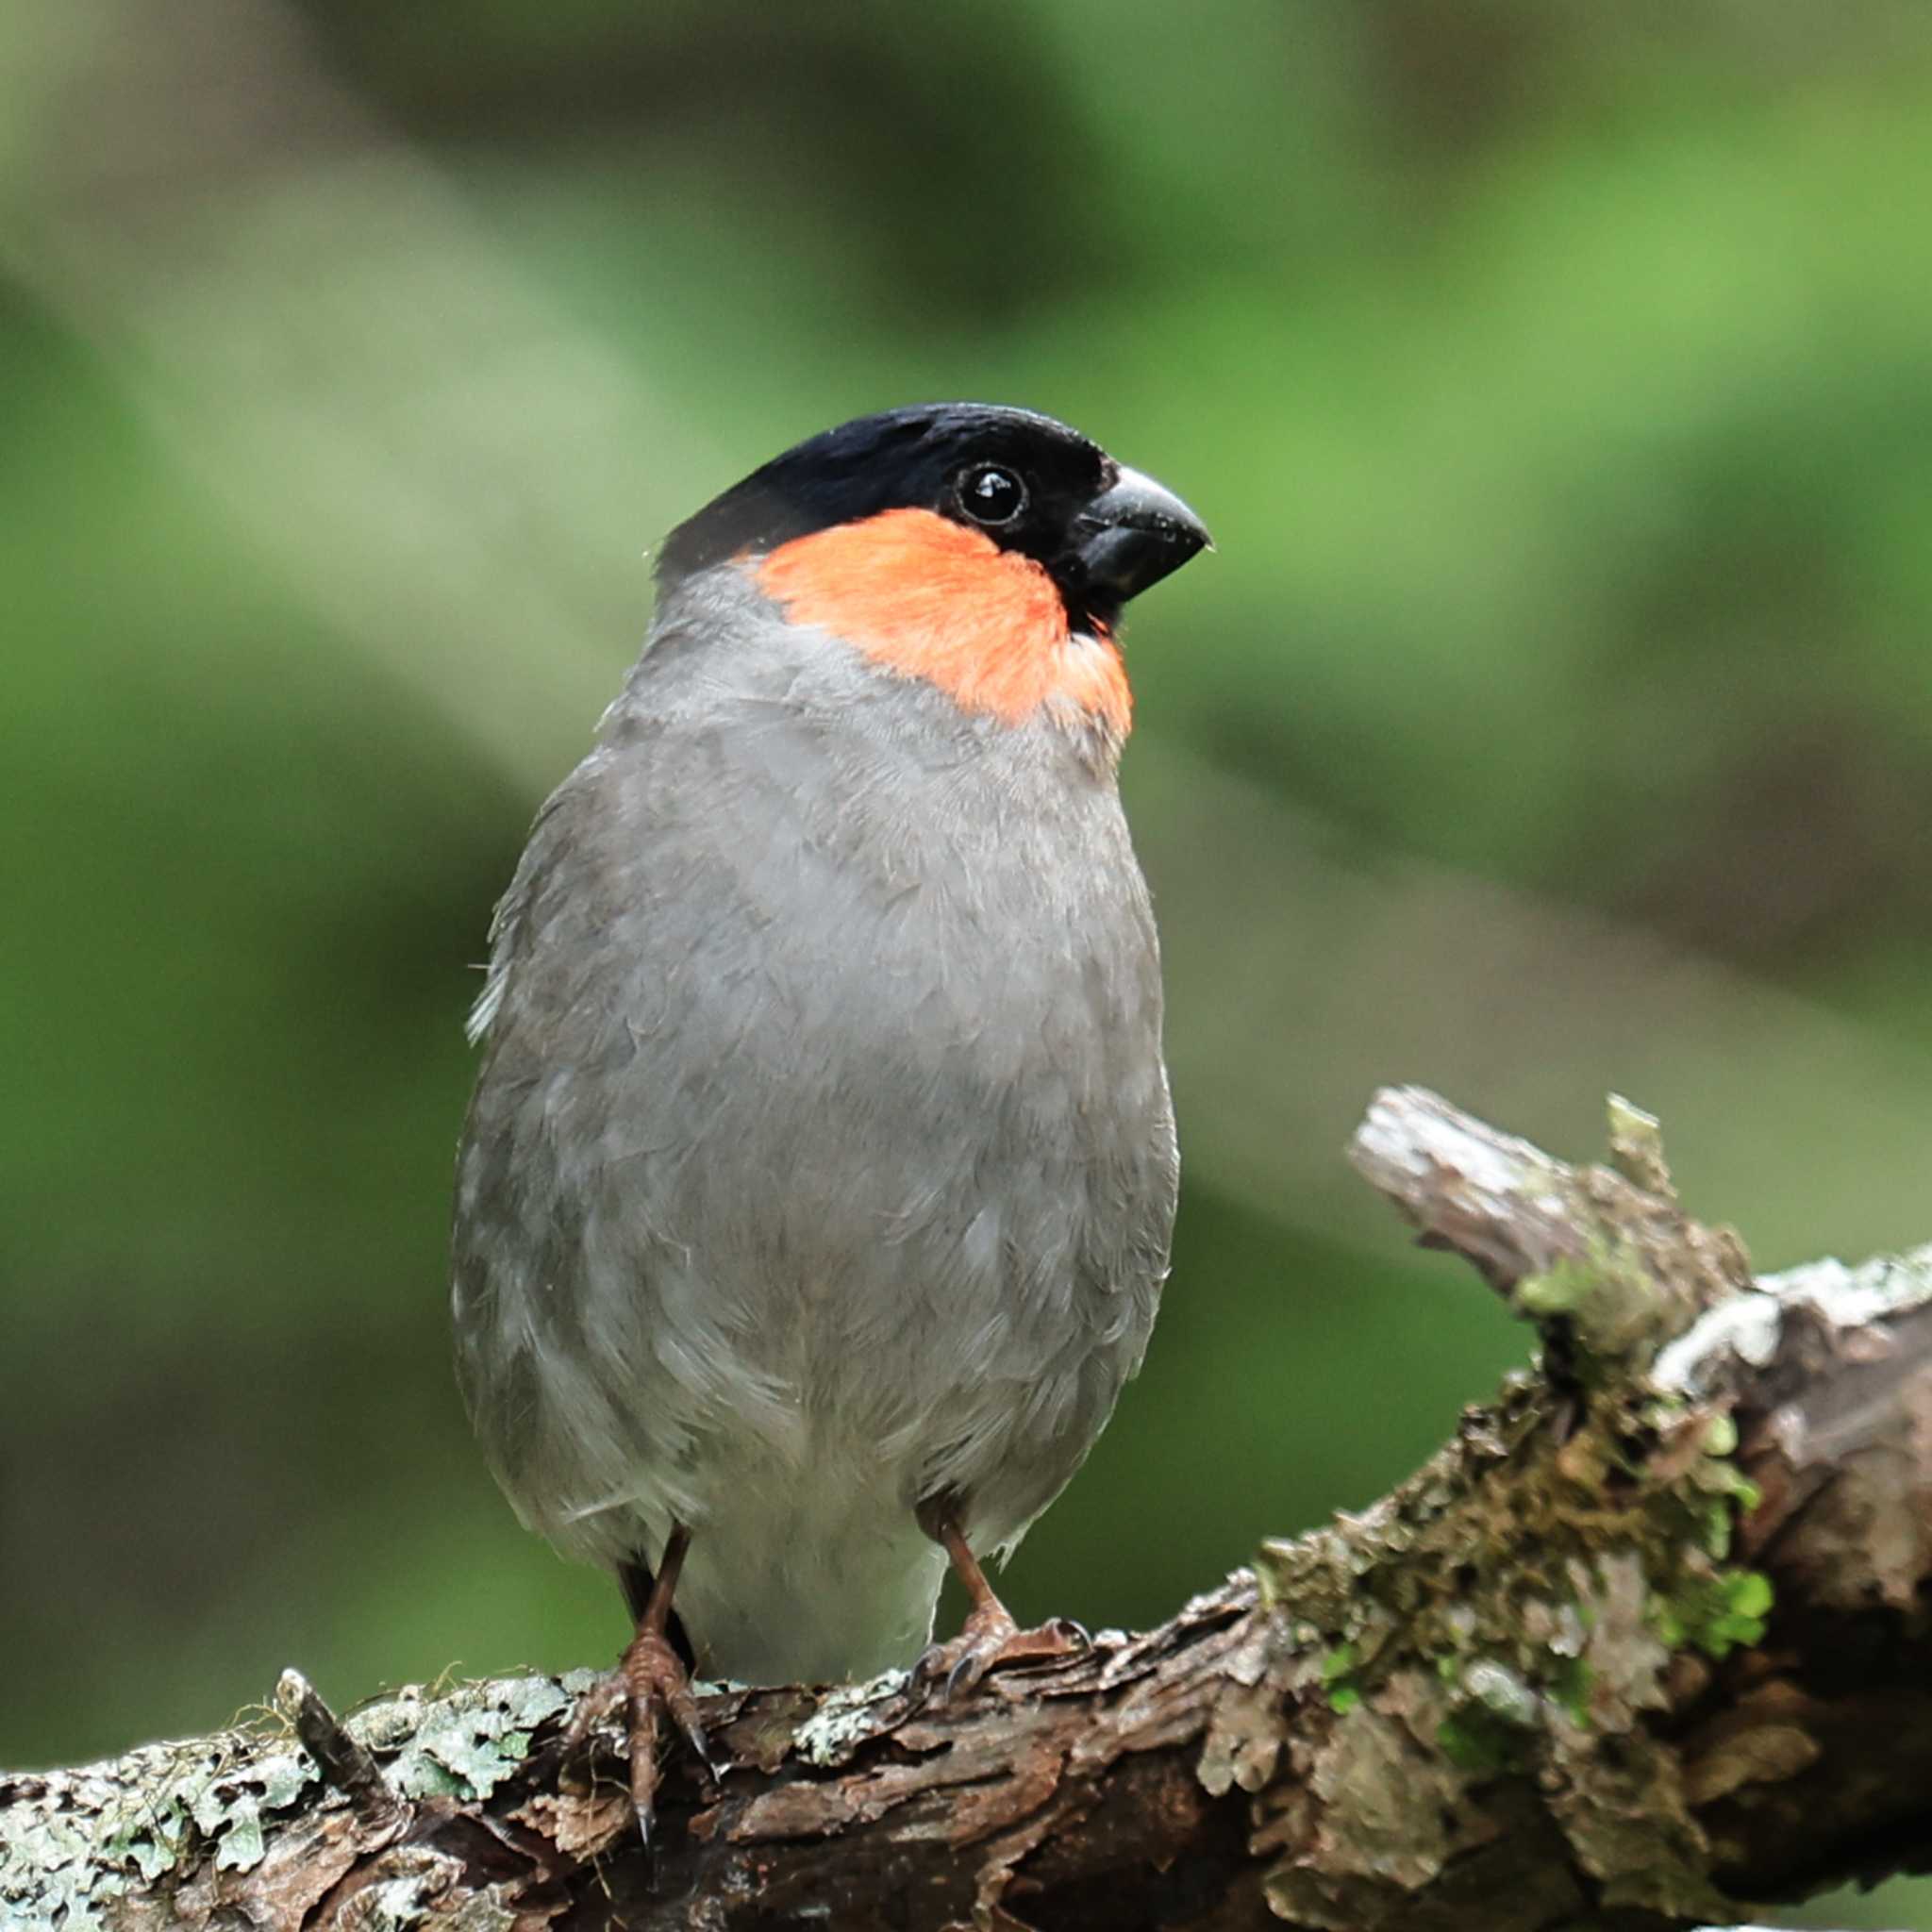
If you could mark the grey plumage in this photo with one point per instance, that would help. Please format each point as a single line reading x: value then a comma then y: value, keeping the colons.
x: 822, y: 1156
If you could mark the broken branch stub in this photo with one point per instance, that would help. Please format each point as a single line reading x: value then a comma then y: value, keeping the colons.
x: 1603, y: 1256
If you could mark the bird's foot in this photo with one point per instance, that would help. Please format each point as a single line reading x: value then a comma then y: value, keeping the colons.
x: 992, y: 1640
x: 650, y: 1678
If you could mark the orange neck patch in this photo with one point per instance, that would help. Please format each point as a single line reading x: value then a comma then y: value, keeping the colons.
x: 927, y: 596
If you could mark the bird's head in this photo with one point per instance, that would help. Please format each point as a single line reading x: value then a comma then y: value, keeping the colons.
x: 986, y: 550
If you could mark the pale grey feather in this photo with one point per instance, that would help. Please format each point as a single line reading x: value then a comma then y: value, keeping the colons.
x: 821, y: 1155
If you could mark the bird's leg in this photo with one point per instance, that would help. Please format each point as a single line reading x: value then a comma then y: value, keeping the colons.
x: 991, y: 1636
x: 650, y: 1677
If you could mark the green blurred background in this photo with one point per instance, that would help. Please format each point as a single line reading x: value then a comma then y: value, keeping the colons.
x: 1556, y: 715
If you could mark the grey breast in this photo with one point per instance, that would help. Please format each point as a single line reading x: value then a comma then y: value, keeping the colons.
x: 821, y: 1089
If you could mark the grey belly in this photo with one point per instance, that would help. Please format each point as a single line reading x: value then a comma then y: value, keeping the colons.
x: 775, y: 1229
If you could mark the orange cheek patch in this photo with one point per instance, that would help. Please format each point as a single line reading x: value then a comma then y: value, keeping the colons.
x: 931, y: 598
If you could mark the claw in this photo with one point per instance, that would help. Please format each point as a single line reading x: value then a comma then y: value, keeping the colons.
x: 992, y: 1641
x: 599, y: 1707
x: 656, y: 1680
x: 650, y: 1679
x: 964, y: 1677
x: 991, y: 1638
x: 699, y: 1745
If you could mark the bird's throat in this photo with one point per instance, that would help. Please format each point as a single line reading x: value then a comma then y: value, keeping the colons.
x: 931, y: 599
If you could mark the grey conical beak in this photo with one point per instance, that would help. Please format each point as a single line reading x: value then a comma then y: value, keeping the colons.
x: 1133, y: 535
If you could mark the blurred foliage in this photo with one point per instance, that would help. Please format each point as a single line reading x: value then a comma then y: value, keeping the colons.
x: 1556, y: 716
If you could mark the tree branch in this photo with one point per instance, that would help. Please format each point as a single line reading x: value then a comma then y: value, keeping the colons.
x: 1648, y: 1643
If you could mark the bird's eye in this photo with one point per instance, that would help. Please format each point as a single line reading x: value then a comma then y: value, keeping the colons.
x: 992, y: 493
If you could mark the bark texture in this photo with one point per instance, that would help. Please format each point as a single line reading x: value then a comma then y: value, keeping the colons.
x: 1648, y: 1644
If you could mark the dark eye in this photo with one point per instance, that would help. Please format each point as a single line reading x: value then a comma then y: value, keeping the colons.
x: 992, y: 493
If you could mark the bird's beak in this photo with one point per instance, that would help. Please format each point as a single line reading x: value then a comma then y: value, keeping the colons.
x: 1133, y: 535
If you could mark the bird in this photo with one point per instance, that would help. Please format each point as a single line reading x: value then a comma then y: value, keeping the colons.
x: 817, y: 1191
